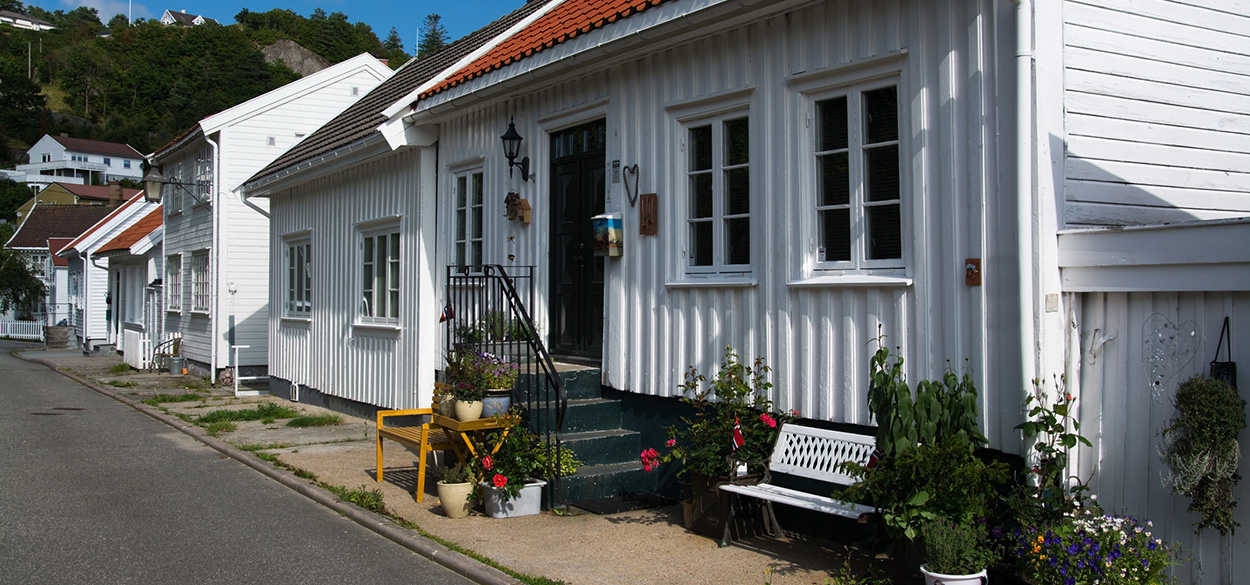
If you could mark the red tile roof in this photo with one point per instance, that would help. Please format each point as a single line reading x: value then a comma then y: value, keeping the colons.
x: 122, y: 243
x: 54, y: 246
x: 96, y: 146
x: 565, y: 22
x: 50, y: 220
x: 102, y: 222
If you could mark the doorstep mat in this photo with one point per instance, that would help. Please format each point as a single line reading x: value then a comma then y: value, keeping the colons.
x: 623, y: 503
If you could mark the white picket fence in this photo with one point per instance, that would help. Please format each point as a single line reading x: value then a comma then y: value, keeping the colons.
x: 32, y: 330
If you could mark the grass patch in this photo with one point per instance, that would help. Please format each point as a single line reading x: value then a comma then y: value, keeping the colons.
x: 120, y: 369
x: 121, y: 384
x: 163, y: 398
x: 219, y: 427
x: 197, y: 385
x: 266, y: 412
x: 370, y: 500
x: 321, y: 420
x: 254, y: 447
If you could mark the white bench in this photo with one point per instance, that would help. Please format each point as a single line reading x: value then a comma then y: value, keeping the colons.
x: 813, y: 454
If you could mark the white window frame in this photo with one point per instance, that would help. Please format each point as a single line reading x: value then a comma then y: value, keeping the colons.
x: 469, y: 211
x: 173, y: 283
x: 721, y: 166
x: 201, y: 282
x: 379, y: 295
x: 202, y: 177
x: 297, y: 267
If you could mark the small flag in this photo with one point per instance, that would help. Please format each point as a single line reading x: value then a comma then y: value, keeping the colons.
x: 738, y: 441
x: 874, y: 458
x: 449, y: 313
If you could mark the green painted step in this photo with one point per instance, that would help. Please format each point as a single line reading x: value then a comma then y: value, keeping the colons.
x: 594, y: 414
x: 604, y: 481
x: 604, y: 446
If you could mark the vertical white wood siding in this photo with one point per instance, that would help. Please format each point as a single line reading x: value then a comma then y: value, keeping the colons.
x: 1157, y: 98
x: 817, y: 339
x: 1122, y: 417
x: 326, y: 351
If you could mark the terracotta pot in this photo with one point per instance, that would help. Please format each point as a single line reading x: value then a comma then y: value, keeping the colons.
x: 454, y: 497
x: 467, y: 411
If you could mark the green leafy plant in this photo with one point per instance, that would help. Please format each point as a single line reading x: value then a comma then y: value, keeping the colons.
x: 520, y: 455
x: 456, y: 474
x: 1201, y: 450
x: 1056, y: 431
x: 498, y: 326
x: 263, y: 412
x: 320, y: 420
x: 956, y: 548
x: 469, y: 374
x: 1088, y: 546
x: 736, y: 396
x: 120, y: 369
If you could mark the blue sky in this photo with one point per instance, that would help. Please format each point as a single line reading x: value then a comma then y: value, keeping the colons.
x: 458, y: 17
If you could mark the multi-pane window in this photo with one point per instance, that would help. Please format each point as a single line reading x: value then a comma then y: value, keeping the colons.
x: 468, y: 244
x: 858, y: 206
x: 173, y: 282
x: 719, y: 187
x: 200, y: 291
x: 203, y: 176
x: 126, y: 164
x: 380, y: 276
x: 299, y: 278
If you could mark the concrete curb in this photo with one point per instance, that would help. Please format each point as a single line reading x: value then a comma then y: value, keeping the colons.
x: 455, y: 561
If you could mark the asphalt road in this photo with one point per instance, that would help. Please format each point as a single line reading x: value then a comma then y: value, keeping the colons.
x: 93, y: 491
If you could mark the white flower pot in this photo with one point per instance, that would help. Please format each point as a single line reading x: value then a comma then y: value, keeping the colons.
x: 981, y: 578
x: 467, y: 411
x: 528, y: 501
x: 454, y: 497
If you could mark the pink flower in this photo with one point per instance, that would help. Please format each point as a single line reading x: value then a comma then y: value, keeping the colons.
x: 487, y: 464
x: 650, y: 459
x: 671, y: 443
x: 500, y: 481
x: 768, y: 420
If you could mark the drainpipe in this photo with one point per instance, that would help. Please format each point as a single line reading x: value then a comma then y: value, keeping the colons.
x: 1026, y: 206
x: 243, y: 197
x: 214, y: 256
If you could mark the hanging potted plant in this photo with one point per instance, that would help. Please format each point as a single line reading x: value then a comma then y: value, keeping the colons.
x: 1201, y: 449
x: 455, y: 491
x: 471, y: 375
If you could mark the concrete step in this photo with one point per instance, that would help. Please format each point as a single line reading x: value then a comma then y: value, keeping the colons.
x: 579, y: 384
x: 602, y: 447
x: 595, y: 414
x: 604, y: 481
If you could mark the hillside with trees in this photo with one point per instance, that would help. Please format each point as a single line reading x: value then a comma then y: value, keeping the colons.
x: 144, y: 83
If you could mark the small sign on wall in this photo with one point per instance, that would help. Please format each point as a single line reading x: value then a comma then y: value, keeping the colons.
x: 648, y: 214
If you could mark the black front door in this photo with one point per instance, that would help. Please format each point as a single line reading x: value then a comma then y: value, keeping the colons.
x: 577, y: 194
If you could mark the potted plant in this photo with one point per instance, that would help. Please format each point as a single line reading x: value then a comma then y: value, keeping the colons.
x: 955, y: 553
x: 511, y: 475
x: 470, y: 375
x: 455, y: 491
x: 1201, y: 449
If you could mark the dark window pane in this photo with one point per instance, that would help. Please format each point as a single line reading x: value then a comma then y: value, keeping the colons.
x: 477, y: 222
x: 738, y: 191
x: 701, y: 195
x: 882, y: 173
x: 460, y: 219
x: 738, y: 244
x: 701, y: 242
x: 836, y: 234
x: 832, y: 120
x: 881, y: 115
x: 460, y: 192
x: 477, y: 188
x: 737, y: 141
x: 835, y: 179
x: 701, y: 148
x: 884, y: 232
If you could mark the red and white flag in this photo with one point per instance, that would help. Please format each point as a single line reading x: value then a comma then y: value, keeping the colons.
x: 738, y: 441
x: 449, y: 313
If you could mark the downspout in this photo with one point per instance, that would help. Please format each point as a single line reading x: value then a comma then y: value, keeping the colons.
x: 214, y: 254
x: 1025, y: 211
x: 243, y: 197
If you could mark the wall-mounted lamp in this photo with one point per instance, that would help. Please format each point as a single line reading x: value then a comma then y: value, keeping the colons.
x: 512, y: 147
x: 154, y: 182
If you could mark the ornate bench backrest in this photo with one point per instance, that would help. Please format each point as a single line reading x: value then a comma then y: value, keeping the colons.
x: 815, y: 453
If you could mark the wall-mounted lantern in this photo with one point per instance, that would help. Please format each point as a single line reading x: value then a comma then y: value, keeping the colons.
x: 511, y: 148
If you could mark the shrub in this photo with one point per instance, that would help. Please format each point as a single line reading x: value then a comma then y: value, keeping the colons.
x: 1201, y: 449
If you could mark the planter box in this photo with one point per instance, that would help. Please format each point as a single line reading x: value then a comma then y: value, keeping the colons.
x: 528, y: 501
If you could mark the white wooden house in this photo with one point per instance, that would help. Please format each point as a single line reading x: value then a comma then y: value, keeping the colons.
x: 44, y: 230
x: 135, y: 268
x: 956, y: 172
x: 61, y: 159
x: 215, y: 243
x: 93, y: 304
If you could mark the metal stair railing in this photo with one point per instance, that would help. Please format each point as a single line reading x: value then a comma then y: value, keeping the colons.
x: 487, y: 309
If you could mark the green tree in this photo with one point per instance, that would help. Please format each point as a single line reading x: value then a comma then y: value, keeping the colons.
x: 12, y: 196
x: 12, y: 6
x: 393, y: 42
x: 118, y: 22
x: 19, y: 286
x: 20, y: 104
x: 433, y: 35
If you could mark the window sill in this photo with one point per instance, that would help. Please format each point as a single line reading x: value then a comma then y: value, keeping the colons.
x: 174, y: 310
x: 848, y: 280
x: 713, y: 282
x: 294, y: 321
x: 200, y: 312
x: 385, y: 330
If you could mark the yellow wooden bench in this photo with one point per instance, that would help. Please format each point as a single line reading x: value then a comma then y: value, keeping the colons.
x: 425, y: 438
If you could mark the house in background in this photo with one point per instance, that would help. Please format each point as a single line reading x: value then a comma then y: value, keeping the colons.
x: 181, y: 18
x: 19, y: 20
x: 1036, y: 188
x: 135, y: 265
x: 93, y: 308
x: 44, y: 231
x: 75, y: 194
x: 216, y: 245
x: 61, y: 159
